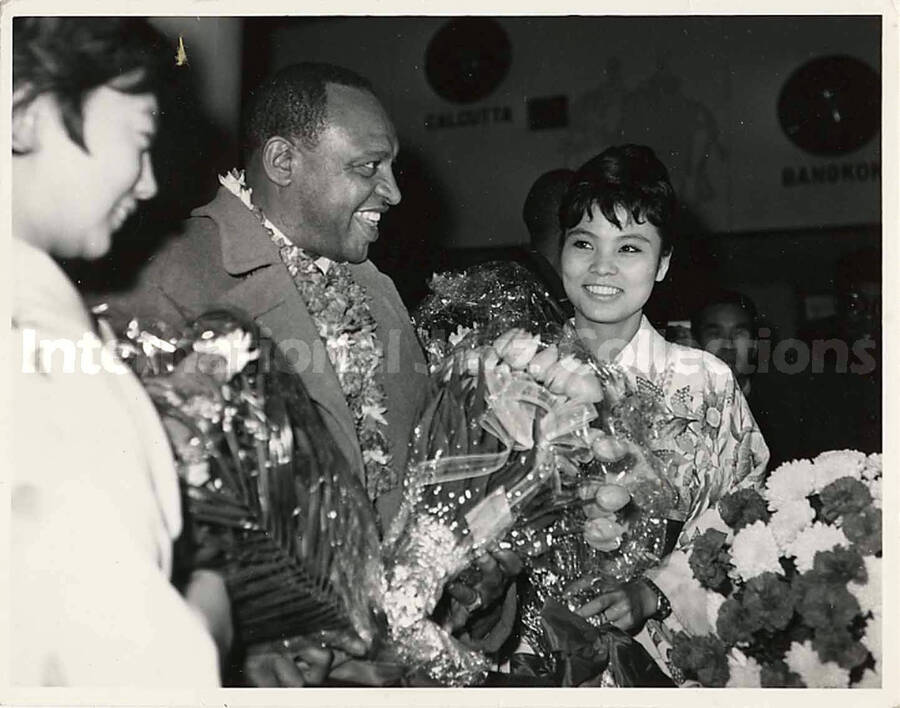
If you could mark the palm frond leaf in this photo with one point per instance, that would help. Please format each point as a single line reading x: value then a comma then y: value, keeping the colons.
x: 279, y: 512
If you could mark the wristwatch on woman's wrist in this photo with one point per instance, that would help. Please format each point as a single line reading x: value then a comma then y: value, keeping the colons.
x: 663, y: 608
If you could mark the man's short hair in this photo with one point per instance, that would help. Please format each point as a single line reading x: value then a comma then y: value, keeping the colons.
x: 724, y: 297
x: 69, y: 57
x: 626, y: 176
x: 293, y: 103
x: 541, y: 209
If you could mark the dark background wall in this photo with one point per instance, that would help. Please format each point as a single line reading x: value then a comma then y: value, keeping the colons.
x: 702, y: 91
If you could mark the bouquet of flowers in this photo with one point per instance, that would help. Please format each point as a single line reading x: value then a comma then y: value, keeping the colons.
x: 485, y: 300
x: 275, y: 508
x: 485, y: 456
x: 792, y: 580
x: 271, y: 502
x: 552, y: 409
x: 626, y: 521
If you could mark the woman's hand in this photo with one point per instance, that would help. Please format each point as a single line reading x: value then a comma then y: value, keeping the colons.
x: 207, y: 595
x: 627, y: 606
x: 286, y: 664
x: 495, y: 573
x: 300, y: 661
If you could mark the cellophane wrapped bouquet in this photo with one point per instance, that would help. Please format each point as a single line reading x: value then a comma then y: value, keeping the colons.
x: 792, y: 579
x: 271, y: 502
x: 504, y: 363
x: 274, y: 507
x: 484, y: 457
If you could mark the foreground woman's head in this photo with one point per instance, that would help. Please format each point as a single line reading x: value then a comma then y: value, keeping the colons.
x: 84, y: 119
x: 617, y: 239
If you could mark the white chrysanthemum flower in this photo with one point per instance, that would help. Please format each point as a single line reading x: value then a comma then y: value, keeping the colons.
x: 792, y: 518
x: 872, y: 468
x: 818, y: 537
x: 690, y: 615
x: 714, y: 602
x: 712, y: 519
x: 868, y: 594
x: 834, y: 464
x: 755, y: 551
x: 792, y: 481
x: 870, y: 679
x: 745, y: 671
x: 804, y: 661
x: 872, y: 640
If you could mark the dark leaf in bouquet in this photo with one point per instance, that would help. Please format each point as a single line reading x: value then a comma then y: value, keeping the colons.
x: 449, y: 427
x: 585, y: 653
x: 277, y: 499
x: 274, y: 577
x: 437, y: 435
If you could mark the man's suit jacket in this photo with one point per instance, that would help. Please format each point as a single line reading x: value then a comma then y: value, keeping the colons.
x: 224, y: 257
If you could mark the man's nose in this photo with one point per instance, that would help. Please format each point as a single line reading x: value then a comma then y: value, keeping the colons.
x: 388, y: 190
x: 146, y: 187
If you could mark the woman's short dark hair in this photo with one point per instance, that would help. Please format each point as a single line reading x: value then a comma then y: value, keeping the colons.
x: 71, y: 56
x: 293, y: 103
x: 625, y: 176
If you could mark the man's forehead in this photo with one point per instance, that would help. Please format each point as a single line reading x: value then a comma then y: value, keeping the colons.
x: 728, y: 312
x: 343, y: 100
x: 358, y: 110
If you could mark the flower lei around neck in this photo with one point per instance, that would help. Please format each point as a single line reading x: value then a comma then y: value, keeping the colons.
x: 339, y: 306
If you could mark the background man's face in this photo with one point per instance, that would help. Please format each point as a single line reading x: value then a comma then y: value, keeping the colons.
x: 725, y: 331
x: 344, y: 185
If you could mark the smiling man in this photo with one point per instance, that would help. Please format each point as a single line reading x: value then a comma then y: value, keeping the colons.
x: 286, y: 241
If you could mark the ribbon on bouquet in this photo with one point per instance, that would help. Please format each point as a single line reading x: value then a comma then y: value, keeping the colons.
x: 515, y: 403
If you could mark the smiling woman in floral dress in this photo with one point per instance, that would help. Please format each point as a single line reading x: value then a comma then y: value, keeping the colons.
x: 617, y: 243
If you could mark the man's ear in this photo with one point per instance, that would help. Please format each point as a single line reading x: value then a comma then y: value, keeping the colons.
x: 25, y: 123
x: 278, y: 157
x: 663, y: 266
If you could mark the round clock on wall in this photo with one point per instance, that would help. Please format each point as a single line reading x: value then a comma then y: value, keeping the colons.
x: 831, y: 105
x: 467, y: 59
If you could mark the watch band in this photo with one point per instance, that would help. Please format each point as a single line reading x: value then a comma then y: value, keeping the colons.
x: 663, y: 606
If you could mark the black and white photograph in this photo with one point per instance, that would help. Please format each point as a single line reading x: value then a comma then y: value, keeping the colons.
x: 450, y: 349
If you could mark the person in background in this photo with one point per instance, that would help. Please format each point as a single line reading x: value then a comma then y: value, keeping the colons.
x: 541, y: 215
x: 95, y: 504
x: 726, y: 327
x: 287, y: 240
